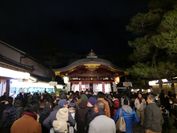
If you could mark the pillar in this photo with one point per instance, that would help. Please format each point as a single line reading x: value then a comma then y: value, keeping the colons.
x: 103, y: 87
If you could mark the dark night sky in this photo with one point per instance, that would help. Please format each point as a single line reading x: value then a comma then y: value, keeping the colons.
x: 58, y: 32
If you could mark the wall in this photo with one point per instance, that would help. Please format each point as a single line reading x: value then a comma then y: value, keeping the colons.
x: 21, y: 57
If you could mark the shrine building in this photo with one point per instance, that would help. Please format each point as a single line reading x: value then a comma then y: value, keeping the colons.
x: 91, y: 73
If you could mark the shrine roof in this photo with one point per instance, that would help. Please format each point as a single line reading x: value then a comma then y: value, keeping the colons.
x: 91, y: 59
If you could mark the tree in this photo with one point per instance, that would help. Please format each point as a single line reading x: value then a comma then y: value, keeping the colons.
x: 155, y: 45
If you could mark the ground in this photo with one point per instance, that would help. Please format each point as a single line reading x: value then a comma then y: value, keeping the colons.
x: 172, y: 129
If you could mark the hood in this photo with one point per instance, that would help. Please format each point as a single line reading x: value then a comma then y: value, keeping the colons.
x: 62, y: 114
x: 83, y: 104
x: 127, y: 108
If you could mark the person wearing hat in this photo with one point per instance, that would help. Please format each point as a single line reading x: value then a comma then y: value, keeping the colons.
x: 91, y: 101
x: 90, y: 115
x: 48, y: 122
x: 63, y: 118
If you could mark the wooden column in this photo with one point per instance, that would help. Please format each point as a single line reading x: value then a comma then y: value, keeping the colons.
x: 8, y: 86
x: 103, y: 87
x: 80, y: 86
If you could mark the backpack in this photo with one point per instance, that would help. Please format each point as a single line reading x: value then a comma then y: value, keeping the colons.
x: 60, y: 125
x: 120, y: 124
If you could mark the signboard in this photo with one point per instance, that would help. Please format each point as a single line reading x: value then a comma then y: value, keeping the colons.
x: 53, y: 83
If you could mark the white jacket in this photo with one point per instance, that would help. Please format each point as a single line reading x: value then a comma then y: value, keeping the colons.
x: 60, y: 124
x: 140, y: 106
x: 102, y: 124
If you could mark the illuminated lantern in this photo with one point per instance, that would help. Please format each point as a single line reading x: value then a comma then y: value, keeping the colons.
x: 117, y: 80
x: 66, y: 79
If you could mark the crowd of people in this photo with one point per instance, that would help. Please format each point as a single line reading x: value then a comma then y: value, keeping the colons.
x: 85, y: 112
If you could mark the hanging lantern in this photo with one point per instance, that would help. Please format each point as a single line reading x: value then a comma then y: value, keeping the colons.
x: 116, y: 80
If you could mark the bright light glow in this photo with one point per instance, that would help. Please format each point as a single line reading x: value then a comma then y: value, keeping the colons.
x: 17, y: 86
x: 142, y: 90
x: 33, y: 79
x: 132, y: 90
x: 17, y: 83
x: 155, y: 82
x: 164, y: 80
x: 149, y: 90
x: 53, y: 83
x: 59, y: 86
x: 5, y: 72
x: 66, y: 79
x: 117, y: 80
x: 152, y: 83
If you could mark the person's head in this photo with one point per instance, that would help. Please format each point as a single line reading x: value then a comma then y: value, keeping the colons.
x: 91, y: 101
x: 84, y: 98
x: 62, y: 103
x: 99, y: 107
x: 63, y: 95
x: 126, y: 101
x: 101, y: 95
x: 150, y: 99
x: 18, y: 103
x: 140, y: 95
x: 32, y: 106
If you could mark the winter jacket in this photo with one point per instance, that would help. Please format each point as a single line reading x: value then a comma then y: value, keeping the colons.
x: 43, y: 115
x: 48, y: 122
x: 140, y: 106
x: 153, y: 119
x: 52, y: 116
x: 80, y: 116
x: 102, y: 124
x: 9, y: 115
x: 90, y: 115
x: 60, y: 124
x: 129, y: 115
x: 26, y: 124
x: 107, y: 108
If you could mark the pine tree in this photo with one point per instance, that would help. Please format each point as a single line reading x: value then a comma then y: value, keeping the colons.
x: 155, y: 45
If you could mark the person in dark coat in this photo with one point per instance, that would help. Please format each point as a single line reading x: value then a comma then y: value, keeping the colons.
x: 81, y: 114
x: 153, y: 119
x: 19, y: 107
x: 48, y: 122
x: 90, y: 115
x: 28, y: 123
x: 44, y: 114
x: 9, y: 115
x: 162, y: 98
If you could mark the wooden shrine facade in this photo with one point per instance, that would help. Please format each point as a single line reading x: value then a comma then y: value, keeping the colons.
x: 92, y: 73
